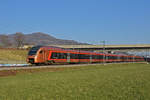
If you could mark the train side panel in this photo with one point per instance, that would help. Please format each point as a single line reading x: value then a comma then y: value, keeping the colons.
x: 49, y: 55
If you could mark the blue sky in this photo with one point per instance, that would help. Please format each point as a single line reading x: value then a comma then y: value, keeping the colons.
x: 90, y: 21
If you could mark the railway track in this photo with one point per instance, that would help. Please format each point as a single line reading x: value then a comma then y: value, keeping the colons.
x: 43, y: 66
x: 56, y: 66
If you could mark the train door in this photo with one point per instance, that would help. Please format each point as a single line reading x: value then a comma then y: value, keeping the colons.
x: 42, y: 56
x: 118, y: 58
x: 90, y: 58
x: 133, y: 58
x: 68, y: 57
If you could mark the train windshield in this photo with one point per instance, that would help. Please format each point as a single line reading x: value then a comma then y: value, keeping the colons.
x: 34, y: 50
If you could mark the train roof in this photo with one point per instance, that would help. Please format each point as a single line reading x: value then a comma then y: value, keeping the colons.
x: 65, y: 49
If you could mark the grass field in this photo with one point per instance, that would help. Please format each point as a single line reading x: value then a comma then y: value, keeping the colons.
x: 96, y: 82
x: 12, y: 56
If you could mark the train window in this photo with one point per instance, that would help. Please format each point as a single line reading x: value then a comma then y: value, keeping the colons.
x: 63, y: 55
x: 105, y: 57
x: 84, y: 56
x: 97, y: 56
x: 100, y: 56
x: 94, y: 57
x: 87, y: 56
x: 34, y: 50
x: 129, y: 58
x: 74, y: 56
x: 56, y: 55
x: 59, y: 55
x: 41, y: 51
x: 109, y: 57
x: 123, y: 58
x: 114, y: 57
x: 81, y: 56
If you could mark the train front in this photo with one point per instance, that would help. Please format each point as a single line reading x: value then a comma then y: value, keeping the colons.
x: 32, y: 55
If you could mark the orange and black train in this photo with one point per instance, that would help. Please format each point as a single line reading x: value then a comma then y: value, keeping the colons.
x: 49, y: 55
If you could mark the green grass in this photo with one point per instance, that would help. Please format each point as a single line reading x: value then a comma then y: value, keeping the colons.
x: 12, y: 56
x: 109, y: 82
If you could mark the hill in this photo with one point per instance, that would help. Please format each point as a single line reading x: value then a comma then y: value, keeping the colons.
x: 45, y: 39
x: 37, y: 38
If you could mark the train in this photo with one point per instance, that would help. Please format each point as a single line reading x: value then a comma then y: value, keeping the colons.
x: 50, y: 55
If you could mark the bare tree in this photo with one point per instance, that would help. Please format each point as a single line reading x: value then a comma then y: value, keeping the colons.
x: 5, y: 40
x: 19, y: 39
